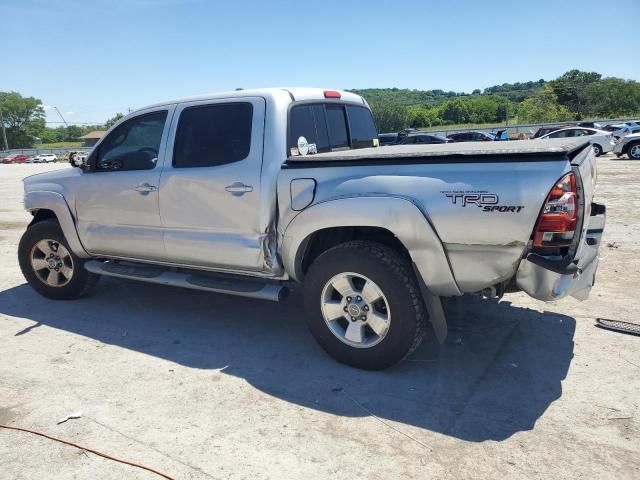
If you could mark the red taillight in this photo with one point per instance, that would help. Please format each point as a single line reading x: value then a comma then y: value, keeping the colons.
x: 559, y: 217
x: 331, y: 94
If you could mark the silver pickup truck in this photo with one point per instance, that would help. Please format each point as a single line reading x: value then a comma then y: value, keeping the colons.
x: 253, y: 191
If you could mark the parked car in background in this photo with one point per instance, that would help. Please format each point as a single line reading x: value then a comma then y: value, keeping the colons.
x: 629, y: 146
x: 623, y: 132
x: 403, y: 133
x: 387, y: 138
x: 470, y: 137
x: 500, y: 135
x: 44, y: 158
x: 614, y: 127
x: 589, y: 125
x: 546, y: 130
x: 602, y: 141
x: 15, y: 158
x: 422, y: 138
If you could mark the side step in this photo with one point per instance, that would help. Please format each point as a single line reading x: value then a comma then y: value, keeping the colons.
x: 197, y: 280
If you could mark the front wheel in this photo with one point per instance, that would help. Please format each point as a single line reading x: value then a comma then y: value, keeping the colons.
x: 49, y: 265
x: 363, y: 305
x: 634, y: 151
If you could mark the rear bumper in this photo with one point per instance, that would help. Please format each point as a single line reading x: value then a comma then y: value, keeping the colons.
x: 619, y: 147
x: 553, y: 278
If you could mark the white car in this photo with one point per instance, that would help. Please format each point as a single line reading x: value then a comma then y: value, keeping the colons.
x: 44, y: 158
x: 601, y: 140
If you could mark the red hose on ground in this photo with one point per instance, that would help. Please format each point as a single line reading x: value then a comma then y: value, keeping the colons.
x: 96, y: 452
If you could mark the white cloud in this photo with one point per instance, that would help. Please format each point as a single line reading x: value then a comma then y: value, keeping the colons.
x: 70, y: 113
x: 47, y: 107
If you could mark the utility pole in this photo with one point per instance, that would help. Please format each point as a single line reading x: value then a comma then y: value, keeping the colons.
x: 5, y: 144
x: 65, y: 122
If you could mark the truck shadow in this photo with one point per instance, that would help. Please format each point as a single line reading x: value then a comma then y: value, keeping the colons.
x: 499, y: 370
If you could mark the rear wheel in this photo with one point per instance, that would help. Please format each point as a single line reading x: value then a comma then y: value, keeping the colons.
x: 49, y: 265
x: 363, y: 305
x: 597, y: 149
x: 634, y: 151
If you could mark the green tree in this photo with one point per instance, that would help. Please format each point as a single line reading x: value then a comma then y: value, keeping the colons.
x: 612, y: 97
x: 542, y: 107
x: 23, y: 119
x: 73, y: 133
x: 109, y: 123
x: 389, y: 116
x: 571, y: 90
x: 421, y: 116
x: 455, y: 111
x: 50, y: 135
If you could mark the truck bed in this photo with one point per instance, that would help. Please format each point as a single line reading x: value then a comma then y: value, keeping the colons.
x: 534, y: 150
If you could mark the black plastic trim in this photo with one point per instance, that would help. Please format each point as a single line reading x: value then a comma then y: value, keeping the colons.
x: 295, y: 162
x: 598, y: 209
x: 562, y: 267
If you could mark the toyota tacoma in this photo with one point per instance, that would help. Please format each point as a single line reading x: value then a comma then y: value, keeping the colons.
x: 253, y: 191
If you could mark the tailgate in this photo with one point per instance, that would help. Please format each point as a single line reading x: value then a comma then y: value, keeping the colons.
x: 550, y: 278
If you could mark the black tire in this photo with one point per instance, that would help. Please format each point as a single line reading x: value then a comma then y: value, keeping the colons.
x: 597, y: 149
x: 395, y: 278
x: 81, y: 281
x: 630, y: 148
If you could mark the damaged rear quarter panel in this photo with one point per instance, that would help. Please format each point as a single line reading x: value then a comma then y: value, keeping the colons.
x: 483, y: 247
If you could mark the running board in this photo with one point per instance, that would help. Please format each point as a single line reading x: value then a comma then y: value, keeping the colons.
x: 197, y: 280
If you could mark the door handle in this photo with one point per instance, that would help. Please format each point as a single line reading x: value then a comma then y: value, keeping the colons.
x: 238, y: 188
x: 145, y: 188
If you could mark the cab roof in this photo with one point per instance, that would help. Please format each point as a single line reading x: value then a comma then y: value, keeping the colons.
x: 293, y: 93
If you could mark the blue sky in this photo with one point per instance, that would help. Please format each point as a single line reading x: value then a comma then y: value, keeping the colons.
x: 92, y: 59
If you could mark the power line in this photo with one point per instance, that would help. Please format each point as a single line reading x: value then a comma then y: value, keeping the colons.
x: 78, y: 123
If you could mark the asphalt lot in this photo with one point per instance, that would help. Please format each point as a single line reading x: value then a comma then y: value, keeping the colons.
x: 207, y: 386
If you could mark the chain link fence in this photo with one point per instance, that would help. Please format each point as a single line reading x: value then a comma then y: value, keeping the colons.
x: 527, y: 129
x: 61, y: 152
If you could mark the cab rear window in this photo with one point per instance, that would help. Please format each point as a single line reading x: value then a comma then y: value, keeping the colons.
x: 330, y: 126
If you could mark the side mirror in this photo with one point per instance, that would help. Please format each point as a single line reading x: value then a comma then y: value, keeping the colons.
x: 90, y: 161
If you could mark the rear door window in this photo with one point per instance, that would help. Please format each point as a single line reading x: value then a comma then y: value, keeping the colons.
x: 211, y: 135
x: 562, y: 134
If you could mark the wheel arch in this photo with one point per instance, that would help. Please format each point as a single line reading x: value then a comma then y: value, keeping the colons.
x: 599, y: 148
x: 394, y: 221
x: 42, y: 214
x: 52, y: 205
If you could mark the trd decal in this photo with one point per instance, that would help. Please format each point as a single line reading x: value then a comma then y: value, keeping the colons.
x: 488, y: 202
